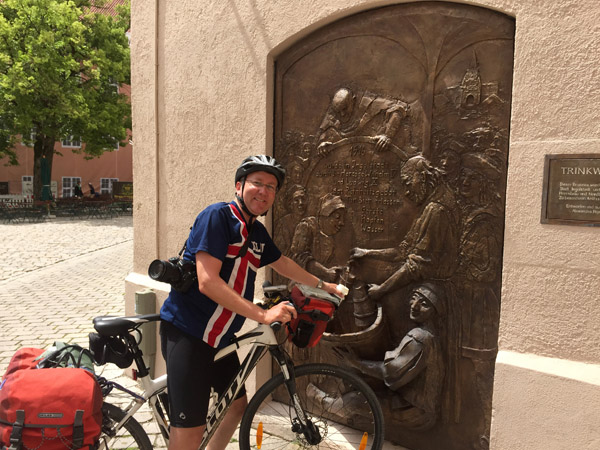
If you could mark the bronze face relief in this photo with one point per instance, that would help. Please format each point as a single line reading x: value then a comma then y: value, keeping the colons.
x: 393, y: 126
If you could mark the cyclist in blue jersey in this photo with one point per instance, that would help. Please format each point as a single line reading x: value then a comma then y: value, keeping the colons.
x: 228, y: 246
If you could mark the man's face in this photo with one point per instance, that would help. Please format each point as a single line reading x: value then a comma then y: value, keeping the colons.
x: 343, y: 104
x: 333, y: 223
x: 421, y: 309
x: 415, y: 183
x: 450, y: 163
x: 296, y: 174
x: 299, y: 202
x: 259, y: 192
x: 470, y: 184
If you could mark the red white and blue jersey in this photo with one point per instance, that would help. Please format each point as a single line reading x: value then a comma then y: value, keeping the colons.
x: 221, y: 231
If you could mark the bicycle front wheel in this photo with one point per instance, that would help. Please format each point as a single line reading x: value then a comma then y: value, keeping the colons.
x: 130, y: 436
x: 342, y: 410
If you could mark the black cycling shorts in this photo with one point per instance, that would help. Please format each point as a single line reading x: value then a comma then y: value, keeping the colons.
x: 192, y: 372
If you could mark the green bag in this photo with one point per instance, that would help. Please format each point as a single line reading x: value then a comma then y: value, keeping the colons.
x: 66, y: 355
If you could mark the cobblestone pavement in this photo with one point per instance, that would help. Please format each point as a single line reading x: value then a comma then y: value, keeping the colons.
x: 55, y: 277
x: 27, y: 247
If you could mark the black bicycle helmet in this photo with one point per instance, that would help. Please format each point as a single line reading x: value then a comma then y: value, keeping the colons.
x: 261, y: 163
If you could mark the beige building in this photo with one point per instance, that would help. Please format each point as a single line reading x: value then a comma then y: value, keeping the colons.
x: 203, y: 95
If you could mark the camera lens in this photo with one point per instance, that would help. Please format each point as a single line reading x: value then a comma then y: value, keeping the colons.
x: 164, y: 271
x: 157, y: 269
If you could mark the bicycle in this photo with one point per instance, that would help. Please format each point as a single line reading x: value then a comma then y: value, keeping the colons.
x: 310, y: 405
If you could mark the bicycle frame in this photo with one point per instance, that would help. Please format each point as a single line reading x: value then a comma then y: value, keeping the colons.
x: 261, y: 339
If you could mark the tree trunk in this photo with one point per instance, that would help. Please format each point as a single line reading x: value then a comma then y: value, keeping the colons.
x: 43, y: 148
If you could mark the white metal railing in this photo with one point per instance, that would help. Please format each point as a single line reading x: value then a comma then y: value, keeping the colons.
x: 16, y: 198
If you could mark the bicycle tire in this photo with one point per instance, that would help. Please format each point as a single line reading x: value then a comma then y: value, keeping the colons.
x: 341, y: 405
x: 130, y: 436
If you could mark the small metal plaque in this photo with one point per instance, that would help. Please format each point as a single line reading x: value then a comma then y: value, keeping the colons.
x: 571, y: 194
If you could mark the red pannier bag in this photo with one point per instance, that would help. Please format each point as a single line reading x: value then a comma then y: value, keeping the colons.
x: 48, y: 409
x: 24, y: 358
x: 315, y: 308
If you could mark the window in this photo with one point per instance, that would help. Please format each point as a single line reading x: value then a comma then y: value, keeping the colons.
x: 71, y: 142
x: 115, y: 144
x: 32, y: 136
x: 106, y: 185
x: 27, y: 184
x: 68, y: 183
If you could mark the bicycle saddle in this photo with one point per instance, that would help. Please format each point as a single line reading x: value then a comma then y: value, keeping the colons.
x: 113, y: 326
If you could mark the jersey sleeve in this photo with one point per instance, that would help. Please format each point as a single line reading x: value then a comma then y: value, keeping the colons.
x: 272, y: 252
x: 209, y: 234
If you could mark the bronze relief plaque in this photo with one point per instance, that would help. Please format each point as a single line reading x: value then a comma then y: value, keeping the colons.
x: 393, y: 127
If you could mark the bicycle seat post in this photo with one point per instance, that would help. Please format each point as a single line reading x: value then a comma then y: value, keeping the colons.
x: 142, y: 369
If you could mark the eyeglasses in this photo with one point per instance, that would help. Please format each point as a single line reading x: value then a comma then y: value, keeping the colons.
x: 269, y: 187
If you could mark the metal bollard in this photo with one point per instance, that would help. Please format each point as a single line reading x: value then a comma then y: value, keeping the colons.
x: 145, y: 303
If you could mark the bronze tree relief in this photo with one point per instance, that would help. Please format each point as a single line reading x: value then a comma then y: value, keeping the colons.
x: 393, y: 126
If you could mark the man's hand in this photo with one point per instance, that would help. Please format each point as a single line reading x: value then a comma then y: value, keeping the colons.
x: 357, y: 253
x: 382, y: 142
x: 333, y: 289
x: 282, y: 312
x: 324, y: 148
x: 375, y: 292
x: 335, y: 272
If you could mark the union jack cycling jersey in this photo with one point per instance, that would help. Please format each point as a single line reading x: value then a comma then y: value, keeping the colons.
x: 221, y: 231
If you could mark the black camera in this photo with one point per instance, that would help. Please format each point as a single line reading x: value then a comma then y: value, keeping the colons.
x: 178, y: 272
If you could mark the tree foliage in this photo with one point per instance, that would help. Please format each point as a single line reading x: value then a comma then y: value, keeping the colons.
x: 61, y: 62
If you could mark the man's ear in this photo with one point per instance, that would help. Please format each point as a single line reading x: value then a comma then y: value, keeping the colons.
x: 238, y: 184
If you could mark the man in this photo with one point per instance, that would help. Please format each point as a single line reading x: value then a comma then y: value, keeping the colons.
x: 228, y: 245
x: 77, y: 191
x: 313, y: 242
x: 415, y: 369
x: 429, y: 249
x: 369, y: 115
x: 296, y: 202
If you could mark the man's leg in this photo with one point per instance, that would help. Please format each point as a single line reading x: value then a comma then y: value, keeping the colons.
x: 185, y: 438
x: 222, y: 436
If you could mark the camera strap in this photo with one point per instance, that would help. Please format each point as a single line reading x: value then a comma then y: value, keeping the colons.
x: 184, y: 247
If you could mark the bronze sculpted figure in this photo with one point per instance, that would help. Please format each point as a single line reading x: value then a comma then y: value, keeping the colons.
x: 312, y: 244
x: 429, y: 249
x: 369, y: 115
x: 477, y: 277
x: 393, y: 126
x: 296, y: 202
x: 414, y: 370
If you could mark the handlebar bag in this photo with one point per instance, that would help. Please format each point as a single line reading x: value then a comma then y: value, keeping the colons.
x: 48, y: 409
x: 314, y: 312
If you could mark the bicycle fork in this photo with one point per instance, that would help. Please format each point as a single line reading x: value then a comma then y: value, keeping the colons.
x: 301, y: 423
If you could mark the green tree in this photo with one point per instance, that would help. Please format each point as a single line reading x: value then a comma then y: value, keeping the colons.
x: 61, y: 62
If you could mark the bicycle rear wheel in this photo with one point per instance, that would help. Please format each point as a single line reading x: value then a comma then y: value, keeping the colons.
x: 130, y: 436
x: 339, y: 404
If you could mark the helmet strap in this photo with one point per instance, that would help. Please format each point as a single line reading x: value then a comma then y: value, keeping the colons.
x: 240, y: 199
